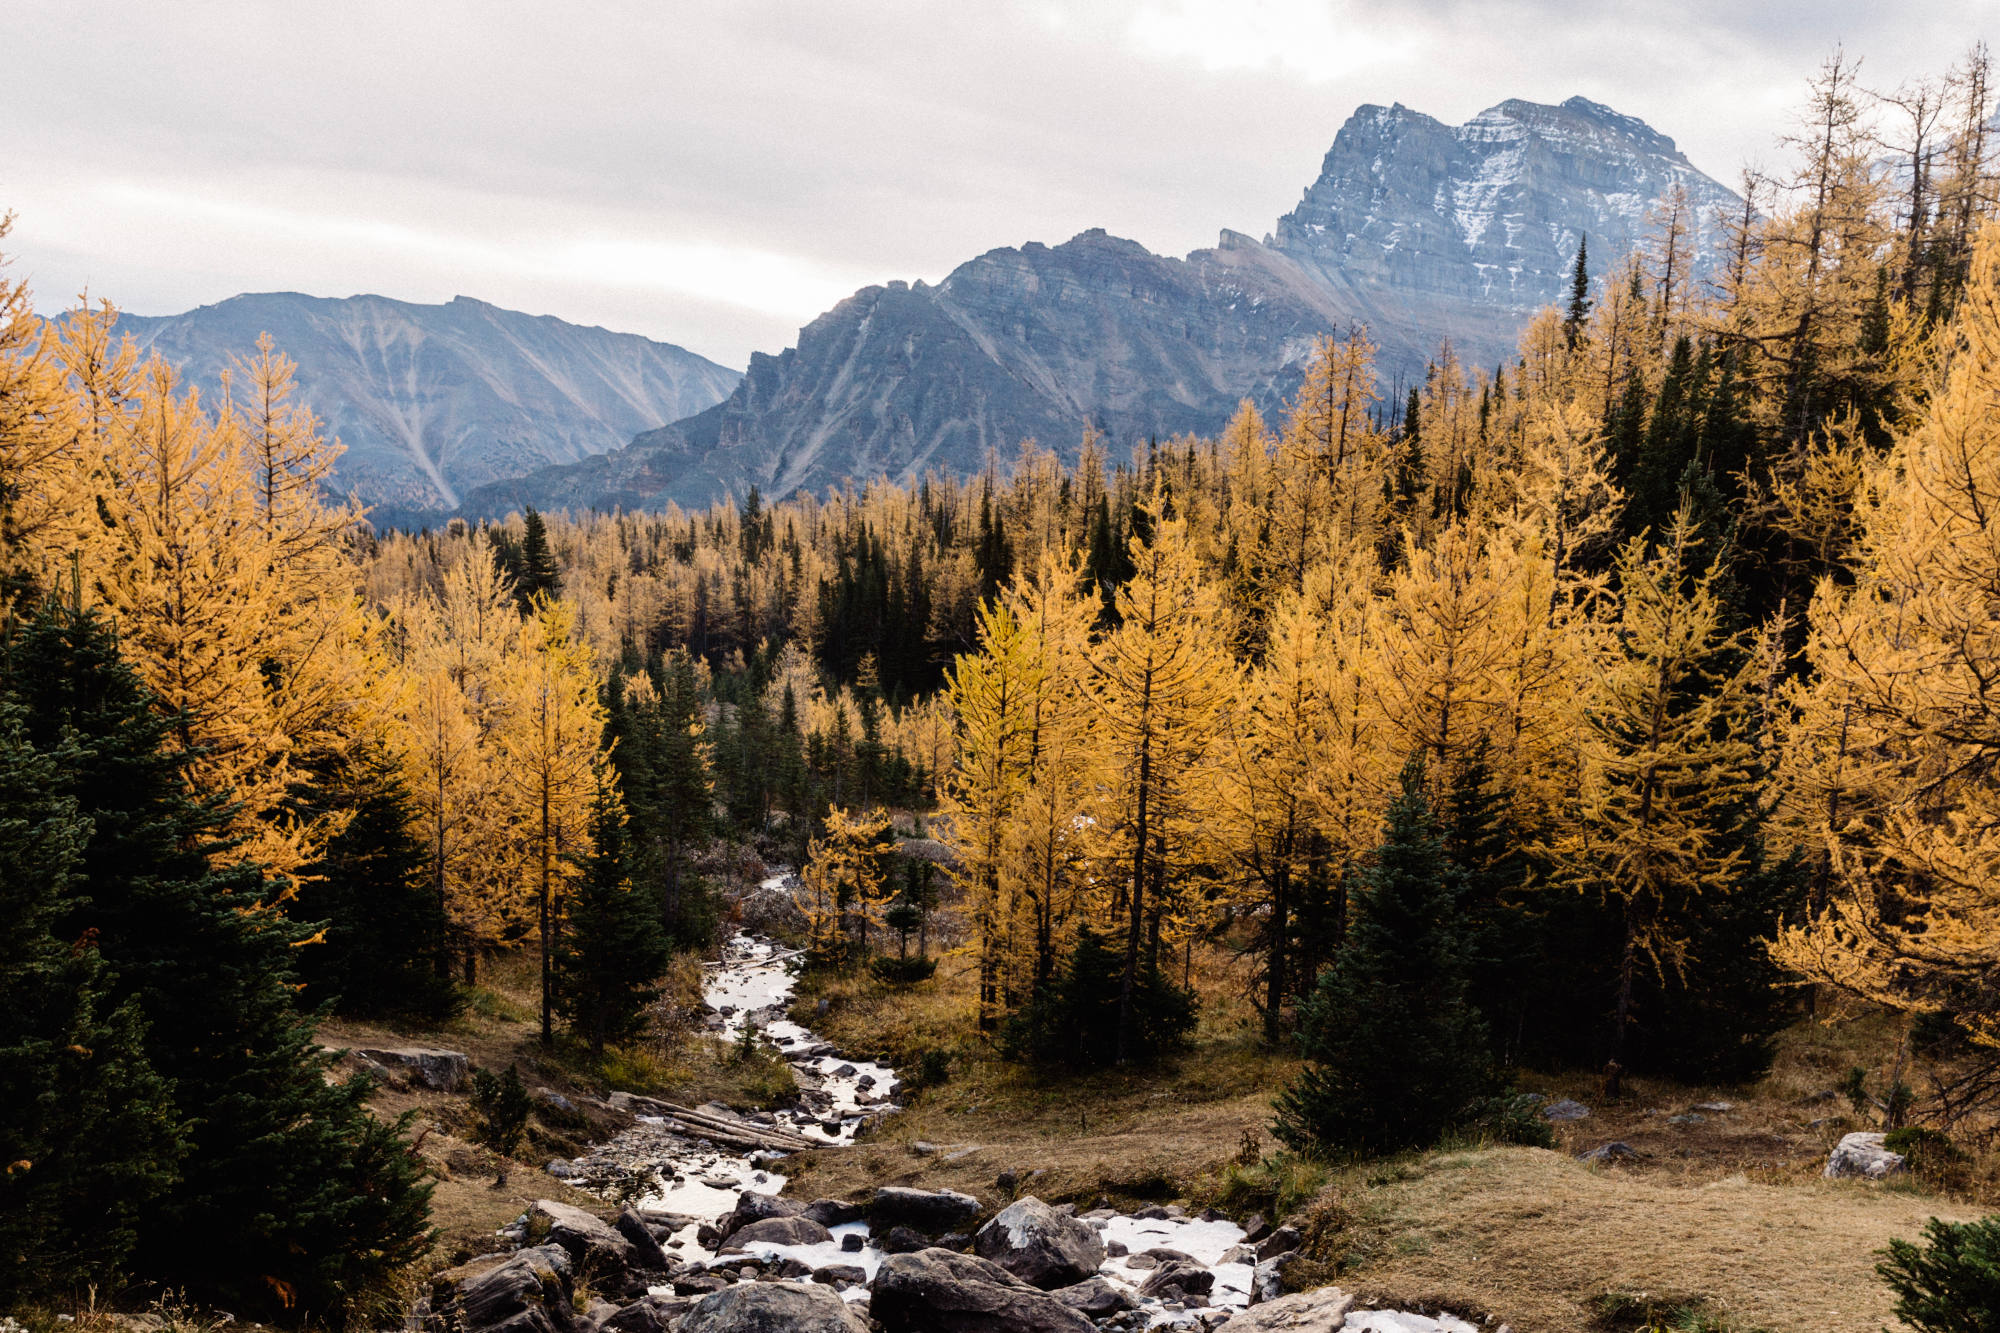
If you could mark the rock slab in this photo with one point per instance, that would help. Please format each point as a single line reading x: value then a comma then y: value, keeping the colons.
x: 931, y: 1211
x: 426, y: 1066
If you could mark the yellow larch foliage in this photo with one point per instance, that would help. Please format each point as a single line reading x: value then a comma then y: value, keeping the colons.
x: 1159, y: 684
x: 1667, y: 765
x: 844, y: 888
x: 1888, y: 755
x: 551, y: 753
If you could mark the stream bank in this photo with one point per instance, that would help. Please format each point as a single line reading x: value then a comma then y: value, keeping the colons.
x: 699, y: 1181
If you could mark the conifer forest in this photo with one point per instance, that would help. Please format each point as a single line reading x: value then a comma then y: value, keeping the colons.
x: 1612, y: 727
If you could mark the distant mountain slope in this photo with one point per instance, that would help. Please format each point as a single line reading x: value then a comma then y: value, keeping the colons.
x: 433, y: 400
x: 1418, y: 229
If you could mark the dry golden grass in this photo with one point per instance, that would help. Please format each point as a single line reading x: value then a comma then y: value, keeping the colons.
x: 1529, y: 1236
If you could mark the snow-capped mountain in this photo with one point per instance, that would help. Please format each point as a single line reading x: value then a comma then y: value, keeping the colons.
x: 1421, y: 231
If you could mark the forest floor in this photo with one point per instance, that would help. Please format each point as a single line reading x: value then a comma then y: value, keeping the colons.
x: 1723, y: 1212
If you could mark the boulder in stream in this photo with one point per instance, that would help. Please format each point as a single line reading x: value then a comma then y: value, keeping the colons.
x: 834, y: 1212
x: 1039, y: 1245
x: 648, y: 1314
x: 929, y: 1211
x: 1094, y: 1298
x: 754, y: 1207
x: 647, y: 1256
x: 779, y: 1231
x: 1322, y: 1311
x: 772, y: 1307
x: 1179, y: 1280
x: 937, y: 1291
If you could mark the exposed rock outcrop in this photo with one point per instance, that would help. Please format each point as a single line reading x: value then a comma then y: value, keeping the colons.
x: 528, y: 1291
x: 423, y: 1066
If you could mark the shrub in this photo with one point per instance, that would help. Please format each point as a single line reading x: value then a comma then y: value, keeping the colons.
x: 502, y: 1105
x: 1515, y: 1118
x: 1931, y: 1155
x: 1951, y: 1282
x: 1074, y: 1020
x: 1277, y: 1185
x: 933, y: 1068
x: 902, y: 971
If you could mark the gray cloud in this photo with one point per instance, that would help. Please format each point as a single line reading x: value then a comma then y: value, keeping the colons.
x: 716, y: 173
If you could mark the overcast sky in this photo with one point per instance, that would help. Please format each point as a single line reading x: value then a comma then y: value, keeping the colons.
x: 715, y: 174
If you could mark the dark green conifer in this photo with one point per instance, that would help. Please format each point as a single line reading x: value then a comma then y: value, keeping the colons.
x: 1395, y: 1052
x: 613, y: 949
x: 1579, y: 295
x: 537, y: 576
x: 382, y: 947
x: 89, y: 1135
x: 291, y: 1193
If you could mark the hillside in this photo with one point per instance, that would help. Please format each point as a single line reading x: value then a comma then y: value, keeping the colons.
x: 433, y: 400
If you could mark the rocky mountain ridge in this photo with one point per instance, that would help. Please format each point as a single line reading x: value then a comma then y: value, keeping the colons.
x: 1418, y: 230
x: 434, y: 400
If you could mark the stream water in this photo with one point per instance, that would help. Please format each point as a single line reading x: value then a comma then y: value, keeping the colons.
x: 693, y: 1182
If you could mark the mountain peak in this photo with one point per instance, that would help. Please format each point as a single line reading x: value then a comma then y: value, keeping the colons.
x: 1491, y: 211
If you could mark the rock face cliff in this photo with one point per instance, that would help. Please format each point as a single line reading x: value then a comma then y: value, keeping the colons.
x: 1417, y: 229
x: 433, y: 400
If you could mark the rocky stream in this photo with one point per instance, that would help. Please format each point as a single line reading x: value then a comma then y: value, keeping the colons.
x: 710, y: 1243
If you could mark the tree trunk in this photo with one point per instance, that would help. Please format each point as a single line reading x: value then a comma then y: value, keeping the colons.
x: 1274, y: 968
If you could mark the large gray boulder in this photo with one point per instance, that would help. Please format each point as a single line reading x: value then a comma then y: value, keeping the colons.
x: 771, y: 1307
x: 591, y: 1241
x: 425, y: 1066
x: 1862, y: 1156
x: 1322, y: 1311
x: 1179, y: 1280
x: 754, y: 1207
x: 938, y: 1291
x: 779, y: 1231
x: 1039, y: 1245
x: 528, y: 1291
x: 930, y: 1211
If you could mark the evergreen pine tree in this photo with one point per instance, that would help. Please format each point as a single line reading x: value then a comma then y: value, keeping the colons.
x: 613, y: 950
x: 291, y: 1193
x: 382, y: 947
x: 1395, y: 1052
x: 1579, y: 296
x: 537, y: 576
x: 89, y: 1135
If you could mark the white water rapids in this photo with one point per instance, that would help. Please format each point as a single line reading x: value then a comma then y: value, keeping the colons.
x: 698, y: 1183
